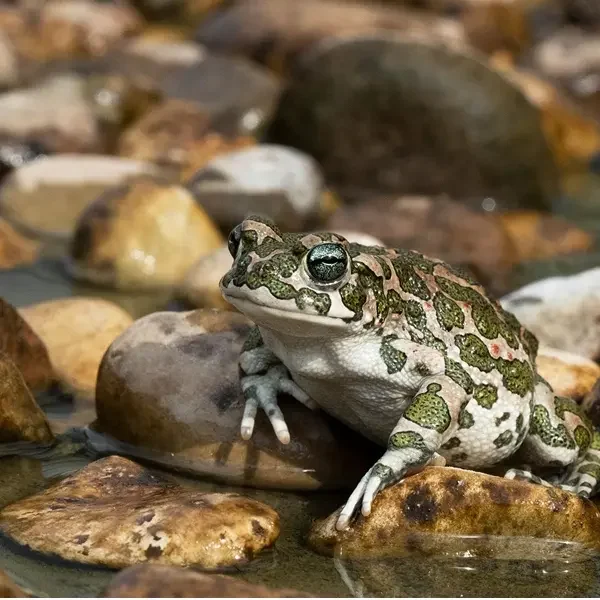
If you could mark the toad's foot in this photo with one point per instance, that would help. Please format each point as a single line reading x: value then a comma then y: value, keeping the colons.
x: 262, y: 390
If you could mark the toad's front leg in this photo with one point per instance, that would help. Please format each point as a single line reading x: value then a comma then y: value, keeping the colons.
x: 428, y: 421
x: 263, y: 377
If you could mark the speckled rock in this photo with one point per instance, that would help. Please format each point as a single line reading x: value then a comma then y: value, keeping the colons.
x: 179, y: 135
x: 201, y: 284
x: 446, y: 500
x: 55, y: 111
x: 21, y: 419
x: 15, y: 248
x: 48, y: 196
x: 144, y: 235
x: 9, y: 589
x: 280, y: 182
x: 436, y: 226
x: 569, y: 374
x: 439, y: 121
x: 275, y: 32
x: 157, y: 581
x: 77, y: 332
x: 563, y: 312
x: 168, y: 391
x: 539, y: 236
x: 116, y: 513
x: 23, y: 346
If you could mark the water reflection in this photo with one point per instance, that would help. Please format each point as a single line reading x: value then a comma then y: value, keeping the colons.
x: 475, y: 566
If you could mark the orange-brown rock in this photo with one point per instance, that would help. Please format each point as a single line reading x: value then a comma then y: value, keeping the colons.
x: 569, y: 374
x: 178, y: 134
x: 116, y: 513
x: 15, y: 248
x: 21, y: 419
x: 157, y: 581
x: 77, y: 332
x: 145, y: 235
x: 9, y: 589
x: 539, y: 236
x: 21, y: 343
x: 456, y: 502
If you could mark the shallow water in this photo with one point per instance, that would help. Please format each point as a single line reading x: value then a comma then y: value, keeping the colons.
x: 542, y: 569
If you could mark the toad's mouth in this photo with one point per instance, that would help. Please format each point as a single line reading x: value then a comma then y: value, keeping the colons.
x: 285, y: 319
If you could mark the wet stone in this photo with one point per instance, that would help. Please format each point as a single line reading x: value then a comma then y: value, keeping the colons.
x: 145, y: 235
x: 439, y: 122
x: 20, y: 342
x: 457, y: 502
x: 168, y: 391
x: 243, y: 94
x: 47, y: 197
x: 116, y: 513
x: 158, y: 581
x: 21, y: 419
x: 77, y: 332
x: 201, y: 284
x: 272, y: 180
x: 563, y: 312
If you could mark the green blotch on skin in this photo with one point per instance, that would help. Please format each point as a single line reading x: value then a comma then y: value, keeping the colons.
x: 503, y: 417
x: 420, y: 334
x: 353, y: 298
x: 456, y: 372
x: 253, y: 341
x: 519, y: 423
x: 474, y: 352
x: 595, y: 445
x: 583, y: 439
x: 465, y: 419
x: 393, y: 358
x: 409, y: 281
x: 485, y: 395
x: 504, y: 439
x: 555, y: 437
x: 406, y: 439
x: 517, y: 376
x: 591, y: 469
x: 458, y: 458
x: 453, y: 442
x: 448, y: 313
x: 268, y: 246
x: 308, y: 298
x: 429, y: 409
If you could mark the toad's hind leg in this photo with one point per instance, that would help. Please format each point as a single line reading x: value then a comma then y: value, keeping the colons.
x: 560, y: 435
x: 428, y: 421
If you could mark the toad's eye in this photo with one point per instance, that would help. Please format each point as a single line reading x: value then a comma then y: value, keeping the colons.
x: 327, y: 263
x: 233, y: 242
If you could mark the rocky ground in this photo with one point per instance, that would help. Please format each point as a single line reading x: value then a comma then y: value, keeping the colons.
x: 134, y: 135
